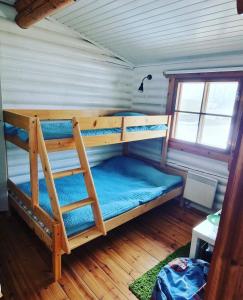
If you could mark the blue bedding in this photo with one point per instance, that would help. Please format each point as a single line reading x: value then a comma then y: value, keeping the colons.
x: 63, y: 129
x: 121, y: 183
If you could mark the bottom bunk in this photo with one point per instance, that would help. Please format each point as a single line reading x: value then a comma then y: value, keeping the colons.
x: 122, y: 184
x: 126, y: 188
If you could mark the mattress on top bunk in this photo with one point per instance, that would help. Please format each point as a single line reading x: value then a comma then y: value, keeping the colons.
x: 63, y: 129
x: 122, y: 183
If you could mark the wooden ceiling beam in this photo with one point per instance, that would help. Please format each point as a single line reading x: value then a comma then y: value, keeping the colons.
x: 240, y: 6
x: 22, y: 4
x: 33, y: 11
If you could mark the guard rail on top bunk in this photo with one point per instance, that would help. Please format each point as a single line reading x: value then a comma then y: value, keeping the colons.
x: 88, y: 120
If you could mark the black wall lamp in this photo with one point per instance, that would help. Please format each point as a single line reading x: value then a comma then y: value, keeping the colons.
x: 149, y: 77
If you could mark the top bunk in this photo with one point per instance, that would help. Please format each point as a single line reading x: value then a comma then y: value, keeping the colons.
x: 98, y: 127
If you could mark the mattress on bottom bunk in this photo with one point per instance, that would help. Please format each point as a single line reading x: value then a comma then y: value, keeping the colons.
x: 122, y: 183
x: 63, y: 129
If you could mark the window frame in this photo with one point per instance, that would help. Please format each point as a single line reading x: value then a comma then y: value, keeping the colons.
x: 196, y: 148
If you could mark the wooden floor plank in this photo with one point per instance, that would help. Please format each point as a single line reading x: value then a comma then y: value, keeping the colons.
x: 154, y: 247
x: 116, y: 273
x: 102, y: 269
x: 95, y: 278
x: 74, y: 286
x: 34, y: 280
x: 140, y: 260
x: 116, y: 257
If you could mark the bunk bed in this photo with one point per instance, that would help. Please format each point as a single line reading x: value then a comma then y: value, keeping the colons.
x: 63, y: 208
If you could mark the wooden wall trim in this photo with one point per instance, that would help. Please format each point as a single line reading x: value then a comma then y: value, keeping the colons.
x: 200, y: 150
x: 227, y: 262
x: 195, y: 148
x: 237, y: 119
x: 172, y: 90
x: 240, y: 6
x: 228, y: 75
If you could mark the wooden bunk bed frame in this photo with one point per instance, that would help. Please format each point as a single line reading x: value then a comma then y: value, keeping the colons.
x: 51, y: 230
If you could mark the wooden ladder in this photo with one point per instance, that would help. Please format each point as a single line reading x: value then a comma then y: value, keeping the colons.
x: 92, y: 198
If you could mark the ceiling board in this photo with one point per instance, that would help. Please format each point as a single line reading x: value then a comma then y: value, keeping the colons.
x: 147, y: 32
x: 152, y: 31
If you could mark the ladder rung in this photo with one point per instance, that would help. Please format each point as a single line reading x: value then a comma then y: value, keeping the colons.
x: 77, y: 204
x: 67, y: 172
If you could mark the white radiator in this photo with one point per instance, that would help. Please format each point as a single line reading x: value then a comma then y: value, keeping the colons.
x: 200, y: 189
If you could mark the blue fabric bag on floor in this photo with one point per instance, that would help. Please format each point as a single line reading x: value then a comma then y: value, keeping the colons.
x: 181, y: 279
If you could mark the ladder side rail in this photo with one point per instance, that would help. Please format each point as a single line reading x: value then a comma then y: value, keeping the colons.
x: 88, y: 176
x: 51, y: 186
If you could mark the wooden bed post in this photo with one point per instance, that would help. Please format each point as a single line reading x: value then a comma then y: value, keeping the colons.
x: 165, y: 146
x: 33, y: 157
x: 165, y: 143
x: 56, y: 251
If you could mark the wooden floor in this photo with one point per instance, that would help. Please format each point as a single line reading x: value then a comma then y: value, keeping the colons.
x: 103, y: 269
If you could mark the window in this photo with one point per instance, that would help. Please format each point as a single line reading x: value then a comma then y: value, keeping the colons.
x: 206, y: 109
x: 204, y: 112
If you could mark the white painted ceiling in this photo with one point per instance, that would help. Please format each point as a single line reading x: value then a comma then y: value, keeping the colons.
x: 154, y: 31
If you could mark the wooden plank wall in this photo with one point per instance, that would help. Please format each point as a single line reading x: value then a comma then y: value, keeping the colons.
x: 81, y: 76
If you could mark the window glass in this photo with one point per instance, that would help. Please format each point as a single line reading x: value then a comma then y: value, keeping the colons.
x: 204, y: 112
x: 221, y: 98
x: 215, y: 131
x: 191, y: 94
x: 186, y: 127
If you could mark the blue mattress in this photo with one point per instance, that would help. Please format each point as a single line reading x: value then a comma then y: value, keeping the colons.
x: 121, y: 183
x: 63, y: 129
